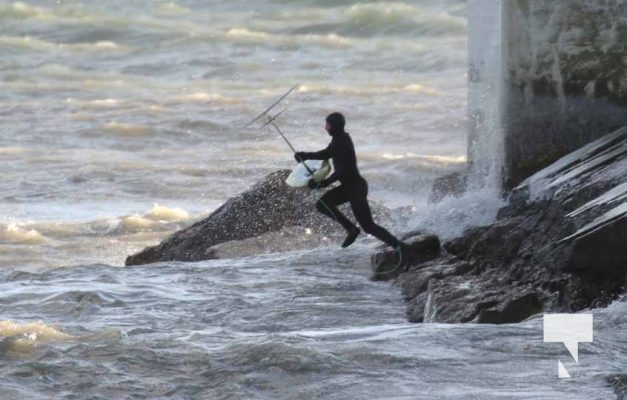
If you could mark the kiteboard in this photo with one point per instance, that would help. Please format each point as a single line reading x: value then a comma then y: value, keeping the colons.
x: 301, y: 174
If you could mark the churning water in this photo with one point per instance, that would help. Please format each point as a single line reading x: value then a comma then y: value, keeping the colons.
x: 122, y: 121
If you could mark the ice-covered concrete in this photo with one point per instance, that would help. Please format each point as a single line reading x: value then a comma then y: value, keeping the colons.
x: 602, y: 160
x: 552, y: 73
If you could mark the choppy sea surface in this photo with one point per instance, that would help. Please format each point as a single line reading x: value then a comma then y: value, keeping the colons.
x: 122, y: 121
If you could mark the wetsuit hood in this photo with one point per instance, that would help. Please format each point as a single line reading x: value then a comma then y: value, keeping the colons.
x: 336, y: 122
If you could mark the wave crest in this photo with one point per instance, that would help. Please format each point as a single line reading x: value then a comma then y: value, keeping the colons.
x: 162, y: 213
x: 18, y: 9
x: 24, y: 338
x: 17, y: 235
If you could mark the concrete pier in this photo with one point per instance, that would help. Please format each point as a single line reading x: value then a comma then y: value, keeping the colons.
x: 545, y: 78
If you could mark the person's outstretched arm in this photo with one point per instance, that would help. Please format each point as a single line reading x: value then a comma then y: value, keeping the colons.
x: 324, y: 154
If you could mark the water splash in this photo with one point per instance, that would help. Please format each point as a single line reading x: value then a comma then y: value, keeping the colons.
x: 485, y: 94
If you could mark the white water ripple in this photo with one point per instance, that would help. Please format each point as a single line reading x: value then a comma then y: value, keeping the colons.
x: 301, y: 325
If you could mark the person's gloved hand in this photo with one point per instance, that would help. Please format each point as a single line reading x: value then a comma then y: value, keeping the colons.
x: 313, y: 185
x: 299, y: 156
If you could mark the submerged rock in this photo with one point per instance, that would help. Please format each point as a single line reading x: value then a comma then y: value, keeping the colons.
x: 270, y: 216
x: 558, y: 247
x: 619, y: 382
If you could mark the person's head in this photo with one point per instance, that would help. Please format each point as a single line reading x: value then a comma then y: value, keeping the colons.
x: 335, y: 123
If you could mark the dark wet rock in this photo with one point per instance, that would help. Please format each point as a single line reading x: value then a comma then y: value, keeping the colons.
x: 516, y: 309
x: 415, y: 307
x: 386, y: 261
x: 268, y: 208
x: 600, y: 249
x: 448, y: 281
x: 559, y: 246
x: 461, y: 246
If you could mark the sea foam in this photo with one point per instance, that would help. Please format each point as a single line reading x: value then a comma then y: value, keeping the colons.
x: 17, y: 235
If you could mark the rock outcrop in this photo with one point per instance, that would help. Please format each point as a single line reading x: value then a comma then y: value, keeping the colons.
x: 386, y: 263
x: 268, y: 212
x: 558, y: 247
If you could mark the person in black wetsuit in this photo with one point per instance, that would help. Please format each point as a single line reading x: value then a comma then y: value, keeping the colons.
x: 353, y: 188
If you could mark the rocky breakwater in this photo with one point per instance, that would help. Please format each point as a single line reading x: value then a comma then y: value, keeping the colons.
x: 268, y: 217
x: 559, y: 246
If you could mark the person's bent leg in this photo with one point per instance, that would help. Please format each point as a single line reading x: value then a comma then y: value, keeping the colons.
x: 362, y: 212
x: 328, y: 203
